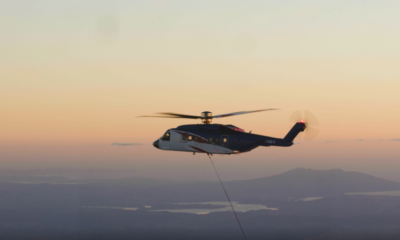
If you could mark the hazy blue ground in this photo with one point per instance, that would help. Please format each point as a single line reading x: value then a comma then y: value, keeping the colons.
x: 299, y: 204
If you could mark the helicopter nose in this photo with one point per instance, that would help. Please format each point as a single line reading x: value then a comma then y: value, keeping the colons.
x: 155, y: 144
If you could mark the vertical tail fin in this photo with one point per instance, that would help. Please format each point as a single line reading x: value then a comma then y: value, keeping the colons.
x: 292, y: 134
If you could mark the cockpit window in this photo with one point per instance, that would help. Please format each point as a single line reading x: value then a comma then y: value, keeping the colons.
x: 167, y: 136
x: 190, y: 137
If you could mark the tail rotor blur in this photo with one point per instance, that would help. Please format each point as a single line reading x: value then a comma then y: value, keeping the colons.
x: 312, y: 125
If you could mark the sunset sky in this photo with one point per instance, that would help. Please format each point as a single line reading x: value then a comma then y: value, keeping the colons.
x: 74, y: 76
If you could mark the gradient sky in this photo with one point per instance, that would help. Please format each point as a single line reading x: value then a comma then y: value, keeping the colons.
x: 75, y: 74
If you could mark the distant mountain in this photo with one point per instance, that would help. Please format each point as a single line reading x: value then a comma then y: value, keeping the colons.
x: 104, y: 208
x: 302, y: 182
x: 297, y: 183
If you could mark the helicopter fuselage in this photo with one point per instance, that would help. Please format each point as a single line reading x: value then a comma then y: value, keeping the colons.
x: 220, y: 139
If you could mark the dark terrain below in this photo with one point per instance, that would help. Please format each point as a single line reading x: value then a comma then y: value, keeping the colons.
x: 37, y: 206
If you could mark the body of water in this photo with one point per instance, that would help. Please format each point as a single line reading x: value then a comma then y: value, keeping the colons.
x: 383, y: 193
x: 307, y: 199
x: 123, y: 208
x: 221, y: 207
x: 225, y: 206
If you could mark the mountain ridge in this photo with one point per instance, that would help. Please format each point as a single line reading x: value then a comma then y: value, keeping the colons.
x: 309, y: 182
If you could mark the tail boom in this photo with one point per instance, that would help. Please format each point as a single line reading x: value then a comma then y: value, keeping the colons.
x: 296, y: 129
x: 287, y: 141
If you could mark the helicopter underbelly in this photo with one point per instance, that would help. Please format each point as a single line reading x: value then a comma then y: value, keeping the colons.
x: 200, y: 147
x: 208, y: 148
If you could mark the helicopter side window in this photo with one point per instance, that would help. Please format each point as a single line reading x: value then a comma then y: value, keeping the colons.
x: 166, y: 137
x: 195, y: 138
x: 210, y: 140
x: 190, y: 138
x: 225, y: 141
x: 184, y: 137
x: 216, y: 140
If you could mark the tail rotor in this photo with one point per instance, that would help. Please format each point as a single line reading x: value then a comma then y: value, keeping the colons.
x: 312, y: 125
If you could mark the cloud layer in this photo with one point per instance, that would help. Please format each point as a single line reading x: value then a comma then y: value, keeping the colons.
x: 125, y: 144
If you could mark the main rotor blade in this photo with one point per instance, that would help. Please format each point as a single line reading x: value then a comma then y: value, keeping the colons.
x: 174, y: 115
x: 242, y: 112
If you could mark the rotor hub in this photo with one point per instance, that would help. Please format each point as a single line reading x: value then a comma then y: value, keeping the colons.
x: 206, y: 117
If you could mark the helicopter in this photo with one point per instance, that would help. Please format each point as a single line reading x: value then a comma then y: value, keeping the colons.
x: 225, y: 139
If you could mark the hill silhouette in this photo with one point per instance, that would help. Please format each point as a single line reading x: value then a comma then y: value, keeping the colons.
x: 301, y: 182
x: 93, y: 209
x: 297, y: 183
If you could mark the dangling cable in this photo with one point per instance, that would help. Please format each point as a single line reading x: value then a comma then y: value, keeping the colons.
x: 227, y: 197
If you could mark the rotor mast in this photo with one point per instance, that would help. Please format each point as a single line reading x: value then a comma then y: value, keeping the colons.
x: 206, y: 117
